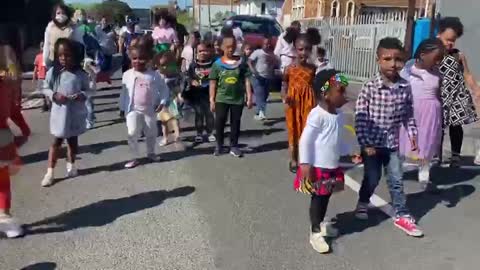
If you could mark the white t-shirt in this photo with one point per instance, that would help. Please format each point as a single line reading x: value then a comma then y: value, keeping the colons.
x: 187, y: 54
x: 322, y: 143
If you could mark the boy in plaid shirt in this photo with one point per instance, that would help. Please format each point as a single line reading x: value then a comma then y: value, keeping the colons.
x: 383, y: 105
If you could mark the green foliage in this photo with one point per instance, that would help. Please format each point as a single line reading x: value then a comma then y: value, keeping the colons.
x: 184, y: 17
x: 114, y: 10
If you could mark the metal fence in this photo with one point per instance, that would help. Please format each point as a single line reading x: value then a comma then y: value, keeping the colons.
x: 351, y: 42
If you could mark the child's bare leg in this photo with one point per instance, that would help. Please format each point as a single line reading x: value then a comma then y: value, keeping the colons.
x: 176, y: 130
x: 52, y: 162
x: 164, y: 140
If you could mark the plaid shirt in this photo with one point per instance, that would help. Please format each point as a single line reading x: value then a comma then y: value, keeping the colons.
x: 380, y: 112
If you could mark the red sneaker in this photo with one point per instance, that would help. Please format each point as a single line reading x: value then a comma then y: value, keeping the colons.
x: 407, y: 224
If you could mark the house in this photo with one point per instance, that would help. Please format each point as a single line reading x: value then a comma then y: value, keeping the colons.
x: 303, y: 9
x: 212, y: 11
x: 260, y: 7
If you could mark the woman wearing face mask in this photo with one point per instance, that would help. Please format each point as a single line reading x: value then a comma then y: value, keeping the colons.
x: 59, y: 27
x: 81, y: 21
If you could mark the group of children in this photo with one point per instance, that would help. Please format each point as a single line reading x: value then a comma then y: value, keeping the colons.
x: 401, y: 112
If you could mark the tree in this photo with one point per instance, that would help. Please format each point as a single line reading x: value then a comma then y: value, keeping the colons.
x: 184, y: 17
x: 113, y: 10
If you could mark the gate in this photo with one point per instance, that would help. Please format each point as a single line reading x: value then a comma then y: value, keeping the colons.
x: 351, y: 43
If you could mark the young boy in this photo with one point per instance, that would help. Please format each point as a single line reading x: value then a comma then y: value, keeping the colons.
x: 383, y: 105
x: 262, y: 63
x: 39, y: 73
x: 228, y: 84
x: 322, y: 62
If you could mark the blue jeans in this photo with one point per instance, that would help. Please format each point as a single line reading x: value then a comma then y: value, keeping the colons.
x: 90, y: 110
x: 372, y: 173
x: 261, y: 89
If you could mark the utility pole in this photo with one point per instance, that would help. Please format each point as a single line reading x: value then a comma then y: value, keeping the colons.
x: 209, y: 16
x: 410, y: 25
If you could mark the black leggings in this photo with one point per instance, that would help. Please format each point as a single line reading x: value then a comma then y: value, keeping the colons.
x: 221, y: 114
x: 318, y: 209
x: 201, y: 106
x: 456, y: 139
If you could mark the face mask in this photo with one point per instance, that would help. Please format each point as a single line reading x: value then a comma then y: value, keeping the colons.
x: 61, y: 18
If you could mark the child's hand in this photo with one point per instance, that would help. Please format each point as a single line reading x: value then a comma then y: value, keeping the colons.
x: 356, y: 159
x: 413, y: 143
x: 249, y: 103
x: 195, y: 83
x: 370, y: 151
x: 212, y: 106
x: 159, y: 108
x: 79, y: 97
x: 59, y: 98
x: 307, y: 171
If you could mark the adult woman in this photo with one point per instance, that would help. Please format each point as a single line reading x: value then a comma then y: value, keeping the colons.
x: 59, y: 27
x: 458, y: 106
x: 164, y: 35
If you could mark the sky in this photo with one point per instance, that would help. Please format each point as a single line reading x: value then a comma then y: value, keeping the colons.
x: 134, y: 3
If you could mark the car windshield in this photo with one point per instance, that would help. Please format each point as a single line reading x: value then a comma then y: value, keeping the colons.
x: 259, y: 27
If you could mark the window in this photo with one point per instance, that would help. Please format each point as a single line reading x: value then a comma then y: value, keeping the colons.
x: 350, y: 11
x: 298, y: 9
x: 263, y: 9
x: 335, y: 9
x: 321, y: 8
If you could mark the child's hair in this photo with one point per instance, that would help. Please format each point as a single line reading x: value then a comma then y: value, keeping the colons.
x: 314, y: 36
x: 428, y: 45
x: 390, y: 43
x: 321, y: 51
x: 164, y: 14
x: 296, y: 24
x: 223, y: 37
x: 207, y: 44
x: 9, y: 36
x: 453, y: 23
x: 65, y: 8
x: 144, y: 44
x: 77, y: 51
x: 226, y: 32
x: 303, y: 37
x: 321, y: 79
x: 291, y: 34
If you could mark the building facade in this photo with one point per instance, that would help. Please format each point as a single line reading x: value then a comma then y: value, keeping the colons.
x: 260, y: 7
x: 206, y: 11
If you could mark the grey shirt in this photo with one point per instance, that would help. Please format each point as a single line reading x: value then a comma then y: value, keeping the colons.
x: 264, y: 63
x: 69, y: 119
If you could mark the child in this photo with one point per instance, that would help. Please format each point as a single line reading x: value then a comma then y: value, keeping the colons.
x: 300, y: 97
x: 189, y: 52
x: 91, y: 67
x: 68, y: 86
x: 144, y: 94
x: 39, y: 73
x: 247, y: 50
x: 320, y: 149
x: 322, y: 62
x: 197, y: 92
x: 228, y: 84
x: 217, y: 46
x: 125, y: 41
x: 383, y: 106
x: 262, y: 64
x: 458, y: 106
x: 424, y: 78
x: 168, y: 70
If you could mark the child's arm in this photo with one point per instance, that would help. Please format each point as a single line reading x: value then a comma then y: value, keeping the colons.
x: 284, y: 89
x: 250, y: 62
x: 35, y: 70
x: 248, y: 88
x: 123, y: 94
x: 306, y: 146
x: 214, y: 76
x: 409, y: 120
x: 467, y: 74
x: 163, y: 92
x: 362, y: 116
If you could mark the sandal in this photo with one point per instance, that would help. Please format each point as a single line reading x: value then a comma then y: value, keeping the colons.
x: 292, y: 168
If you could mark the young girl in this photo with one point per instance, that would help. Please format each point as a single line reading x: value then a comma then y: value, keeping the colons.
x: 67, y: 85
x: 320, y: 148
x: 168, y: 70
x: 424, y: 78
x: 197, y: 94
x: 247, y: 50
x: 164, y: 36
x: 144, y: 94
x: 300, y: 97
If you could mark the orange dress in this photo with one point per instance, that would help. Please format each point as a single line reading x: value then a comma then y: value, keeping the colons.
x: 302, y: 96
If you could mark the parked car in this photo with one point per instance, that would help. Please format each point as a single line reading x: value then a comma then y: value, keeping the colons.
x: 254, y: 28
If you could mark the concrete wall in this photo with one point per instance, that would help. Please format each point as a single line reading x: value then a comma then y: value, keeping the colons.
x: 468, y: 12
x: 214, y: 9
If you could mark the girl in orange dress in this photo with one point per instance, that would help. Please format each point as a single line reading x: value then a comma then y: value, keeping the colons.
x: 299, y: 96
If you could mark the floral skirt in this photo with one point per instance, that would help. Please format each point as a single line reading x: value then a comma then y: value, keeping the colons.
x: 326, y: 181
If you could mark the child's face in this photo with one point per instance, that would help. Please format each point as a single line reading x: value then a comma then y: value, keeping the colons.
x: 65, y: 56
x: 203, y: 53
x: 139, y: 59
x: 267, y: 44
x: 448, y: 37
x: 304, y: 49
x: 228, y: 46
x: 162, y: 22
x: 432, y: 59
x: 248, y: 50
x: 321, y: 58
x: 390, y: 61
x: 336, y: 95
x: 216, y: 46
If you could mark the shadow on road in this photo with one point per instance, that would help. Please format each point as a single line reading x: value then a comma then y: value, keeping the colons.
x: 41, y: 266
x: 273, y: 121
x: 104, y: 212
x: 447, y: 176
x: 419, y: 204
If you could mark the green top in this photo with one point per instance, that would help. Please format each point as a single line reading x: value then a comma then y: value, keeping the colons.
x: 230, y: 81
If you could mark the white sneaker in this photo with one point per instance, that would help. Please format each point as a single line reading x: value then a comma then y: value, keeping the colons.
x: 10, y: 227
x: 163, y: 142
x: 257, y: 117
x: 47, y: 180
x: 262, y: 115
x: 212, y: 138
x: 327, y: 230
x: 318, y: 243
x: 72, y: 173
x: 424, y: 173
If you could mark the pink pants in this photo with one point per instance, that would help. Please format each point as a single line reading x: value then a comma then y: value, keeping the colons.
x: 5, y: 191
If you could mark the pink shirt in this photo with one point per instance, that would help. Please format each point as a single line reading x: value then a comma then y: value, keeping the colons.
x: 164, y: 35
x: 142, y: 97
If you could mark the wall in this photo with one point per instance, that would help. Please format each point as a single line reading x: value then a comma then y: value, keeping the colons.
x: 467, y: 10
x: 214, y: 9
x: 273, y: 8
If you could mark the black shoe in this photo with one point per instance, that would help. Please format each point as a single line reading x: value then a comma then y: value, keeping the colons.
x: 455, y: 161
x: 236, y: 152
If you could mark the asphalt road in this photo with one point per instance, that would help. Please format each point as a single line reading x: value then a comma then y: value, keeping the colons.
x: 196, y: 211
